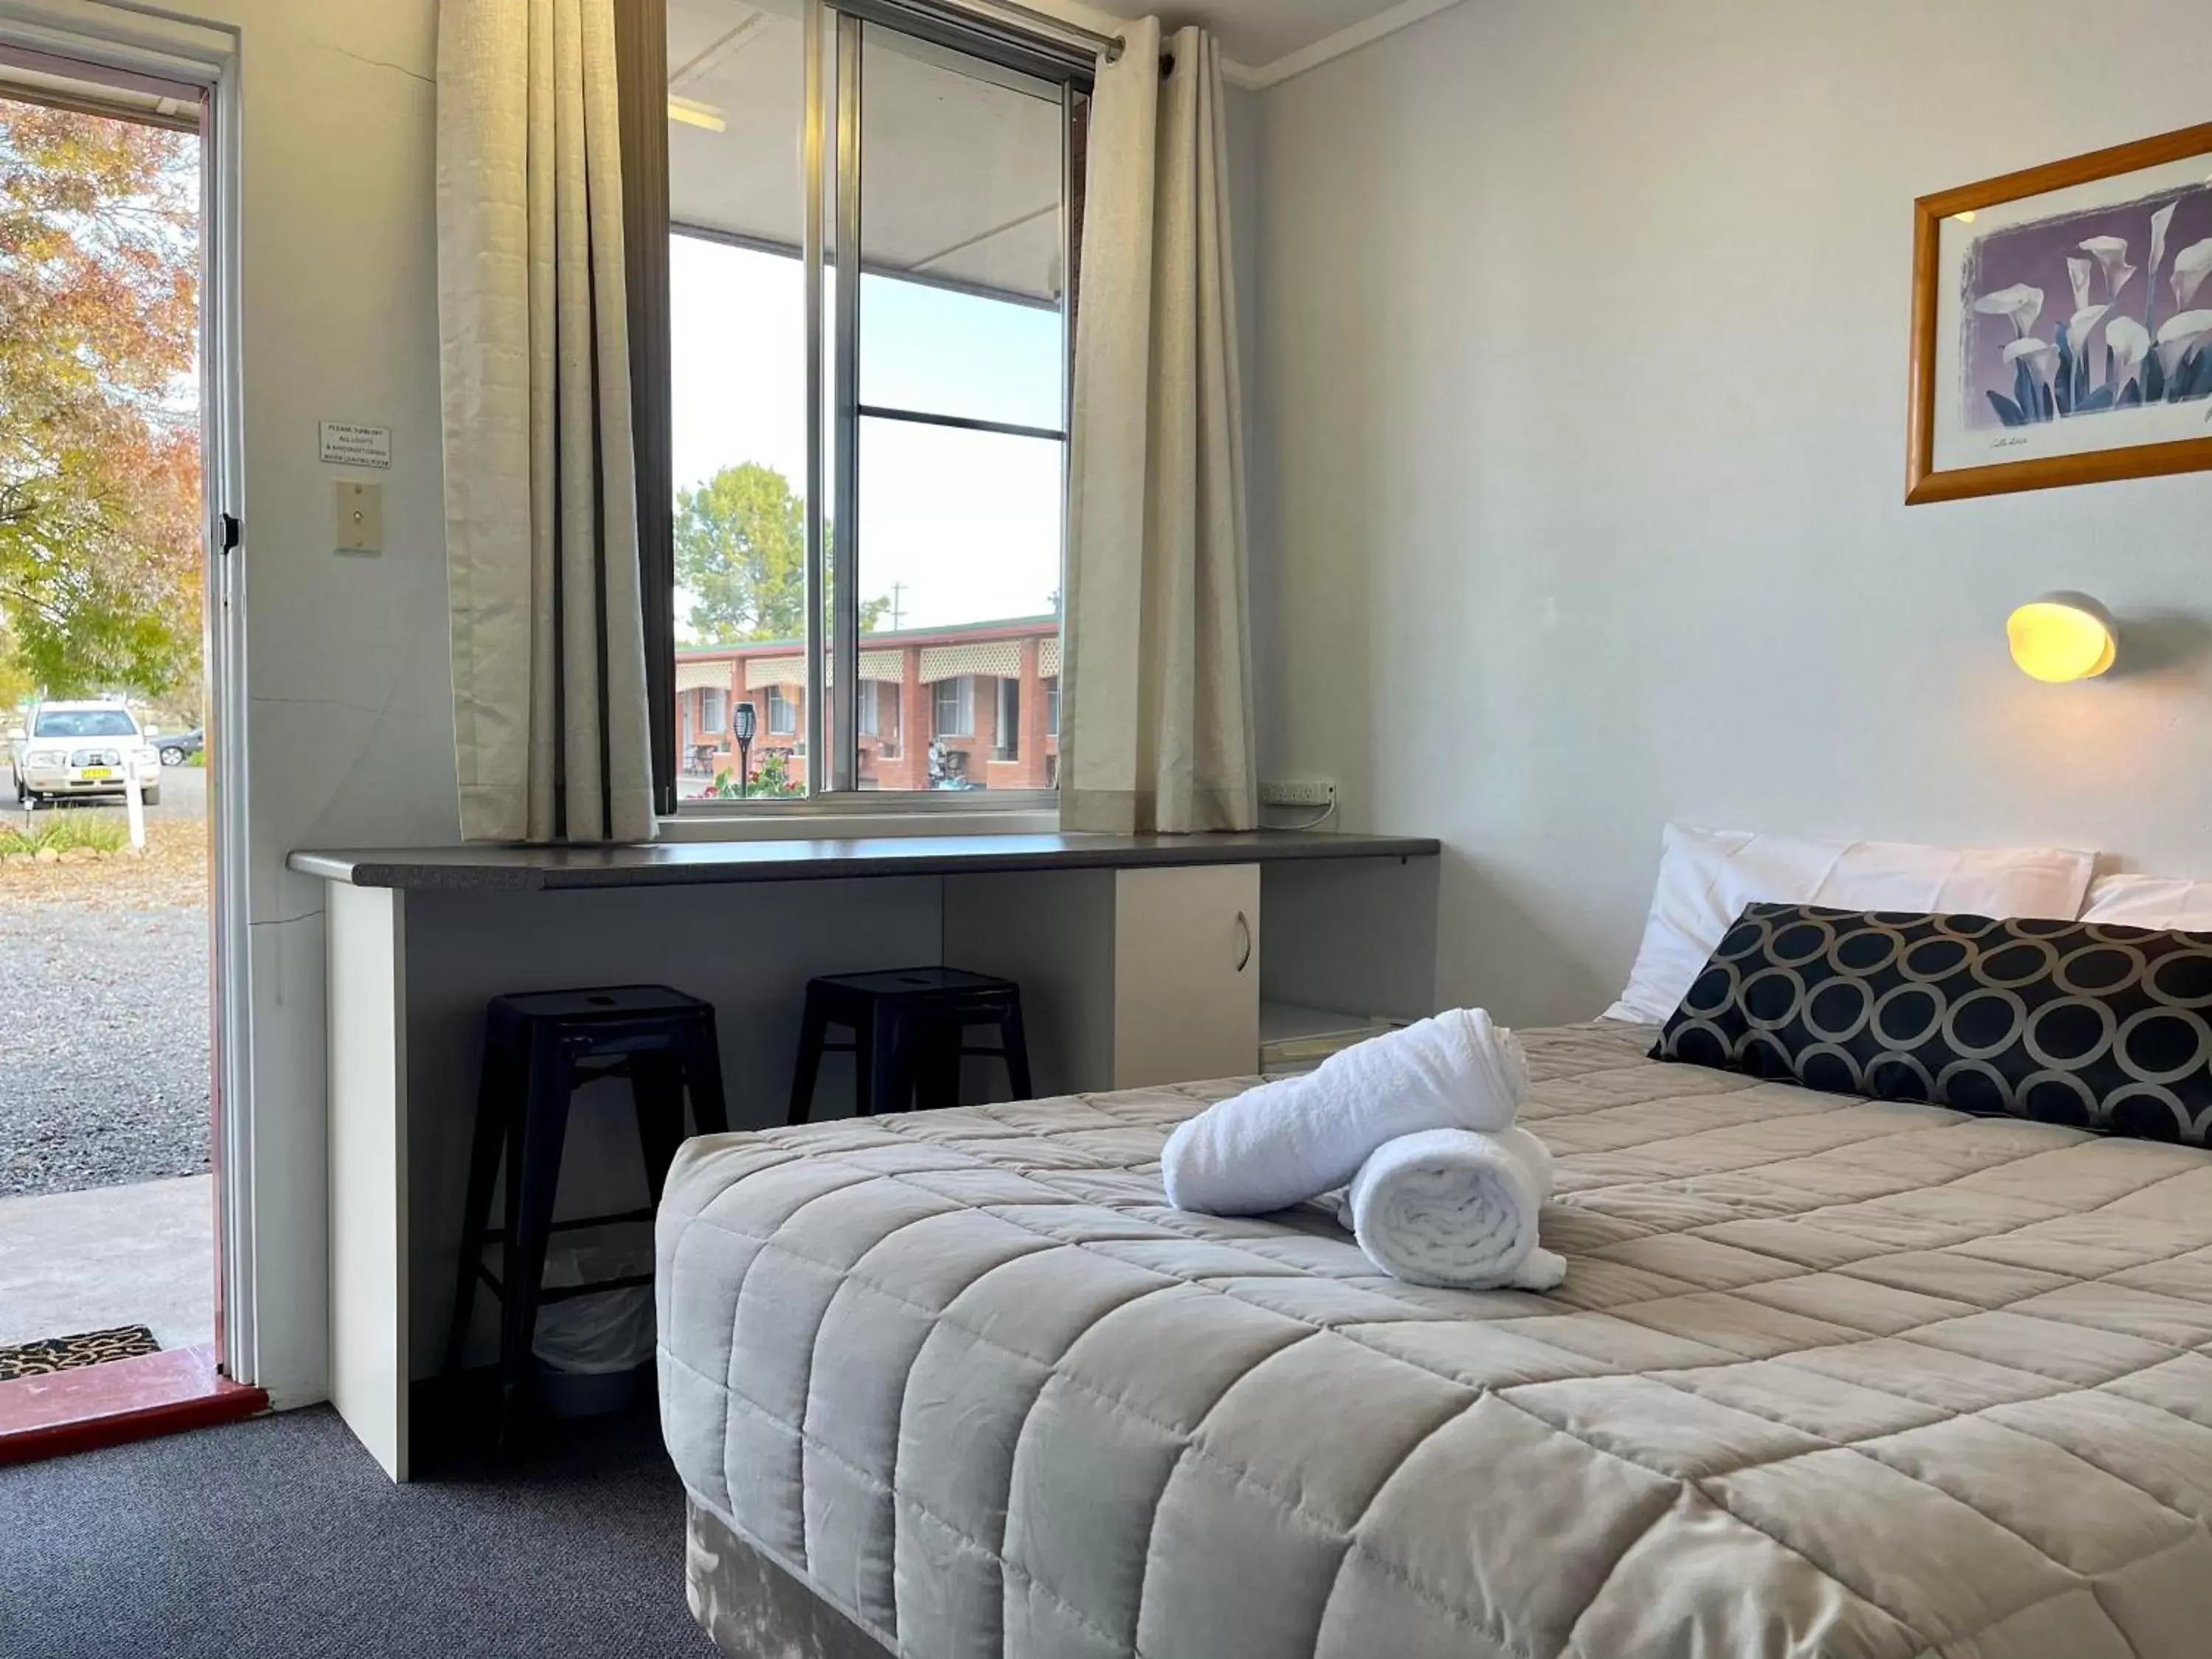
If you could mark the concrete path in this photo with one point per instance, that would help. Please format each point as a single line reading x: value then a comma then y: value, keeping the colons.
x: 140, y: 1254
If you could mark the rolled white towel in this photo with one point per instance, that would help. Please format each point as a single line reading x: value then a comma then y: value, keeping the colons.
x: 1456, y: 1208
x: 1296, y: 1138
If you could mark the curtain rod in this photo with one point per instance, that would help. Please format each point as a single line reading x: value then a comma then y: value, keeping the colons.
x: 1107, y: 46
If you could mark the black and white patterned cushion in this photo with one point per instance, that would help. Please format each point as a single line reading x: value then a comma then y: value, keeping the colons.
x: 2088, y: 1023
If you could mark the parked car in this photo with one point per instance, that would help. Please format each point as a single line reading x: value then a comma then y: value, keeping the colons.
x: 71, y: 750
x: 177, y: 747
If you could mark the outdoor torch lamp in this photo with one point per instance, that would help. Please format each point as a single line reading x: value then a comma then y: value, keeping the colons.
x: 745, y: 723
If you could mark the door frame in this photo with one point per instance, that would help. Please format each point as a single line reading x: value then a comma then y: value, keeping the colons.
x: 128, y: 44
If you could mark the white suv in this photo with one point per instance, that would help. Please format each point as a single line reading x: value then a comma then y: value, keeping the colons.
x: 84, y: 749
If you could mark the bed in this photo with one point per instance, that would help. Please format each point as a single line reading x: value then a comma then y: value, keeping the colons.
x: 1828, y: 1376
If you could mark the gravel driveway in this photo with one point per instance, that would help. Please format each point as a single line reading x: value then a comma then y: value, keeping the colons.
x: 103, y: 1046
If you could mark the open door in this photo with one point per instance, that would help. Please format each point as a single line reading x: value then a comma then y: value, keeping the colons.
x: 118, y: 830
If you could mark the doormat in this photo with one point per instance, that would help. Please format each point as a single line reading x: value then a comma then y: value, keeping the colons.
x: 61, y: 1353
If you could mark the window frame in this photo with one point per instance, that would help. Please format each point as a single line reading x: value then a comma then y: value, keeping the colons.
x: 833, y: 116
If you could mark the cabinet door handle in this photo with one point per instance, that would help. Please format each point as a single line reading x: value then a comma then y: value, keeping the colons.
x: 1243, y: 942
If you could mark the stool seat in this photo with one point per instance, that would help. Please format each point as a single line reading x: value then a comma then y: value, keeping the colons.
x: 614, y: 1002
x: 539, y: 1046
x: 920, y: 982
x: 909, y: 1026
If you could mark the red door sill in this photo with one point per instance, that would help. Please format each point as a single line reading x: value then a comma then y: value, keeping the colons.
x: 105, y: 1405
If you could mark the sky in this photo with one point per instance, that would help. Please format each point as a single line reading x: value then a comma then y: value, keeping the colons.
x: 955, y: 526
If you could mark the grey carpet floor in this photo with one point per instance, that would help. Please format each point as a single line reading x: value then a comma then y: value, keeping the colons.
x: 279, y: 1536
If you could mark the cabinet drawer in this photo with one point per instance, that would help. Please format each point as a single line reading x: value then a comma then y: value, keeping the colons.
x: 1186, y: 974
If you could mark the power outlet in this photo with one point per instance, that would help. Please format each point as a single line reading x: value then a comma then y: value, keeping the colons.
x: 1298, y: 792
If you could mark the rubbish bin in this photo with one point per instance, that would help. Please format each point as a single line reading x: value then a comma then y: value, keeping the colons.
x: 594, y: 1353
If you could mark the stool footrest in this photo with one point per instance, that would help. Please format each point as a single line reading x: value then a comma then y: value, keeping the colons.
x: 565, y: 1292
x: 626, y: 1218
x: 562, y: 1292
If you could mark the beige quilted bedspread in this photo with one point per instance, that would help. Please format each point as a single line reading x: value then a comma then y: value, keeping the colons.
x: 1827, y: 1377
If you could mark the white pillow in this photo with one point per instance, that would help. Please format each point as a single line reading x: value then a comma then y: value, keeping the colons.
x: 1707, y: 876
x: 2151, y: 902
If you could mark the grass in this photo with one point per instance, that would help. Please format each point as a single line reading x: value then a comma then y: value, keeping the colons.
x: 173, y: 873
x: 68, y: 831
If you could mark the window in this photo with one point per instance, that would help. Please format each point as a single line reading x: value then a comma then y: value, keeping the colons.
x: 713, y: 709
x: 954, y: 713
x: 1009, y: 745
x: 1052, y: 707
x: 84, y: 723
x: 867, y: 399
x: 880, y: 713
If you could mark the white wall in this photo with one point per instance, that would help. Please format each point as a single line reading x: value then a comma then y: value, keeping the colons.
x: 351, y: 736
x: 1580, y: 453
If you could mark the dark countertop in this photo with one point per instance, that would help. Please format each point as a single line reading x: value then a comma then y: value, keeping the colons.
x: 675, y: 863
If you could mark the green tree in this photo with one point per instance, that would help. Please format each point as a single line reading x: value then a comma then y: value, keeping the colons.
x: 100, y: 531
x: 741, y: 557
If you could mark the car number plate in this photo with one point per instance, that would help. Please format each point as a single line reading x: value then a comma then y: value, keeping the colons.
x: 98, y: 772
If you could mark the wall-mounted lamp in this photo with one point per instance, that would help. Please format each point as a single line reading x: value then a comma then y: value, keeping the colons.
x: 2062, y: 636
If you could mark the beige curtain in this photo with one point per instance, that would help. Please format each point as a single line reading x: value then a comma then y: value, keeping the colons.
x: 550, y: 725
x: 1157, y: 722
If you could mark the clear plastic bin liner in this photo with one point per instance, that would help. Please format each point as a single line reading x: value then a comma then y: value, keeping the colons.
x: 611, y: 1331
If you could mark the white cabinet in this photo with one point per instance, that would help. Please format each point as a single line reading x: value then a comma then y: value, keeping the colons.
x: 1129, y: 976
x: 1186, y: 973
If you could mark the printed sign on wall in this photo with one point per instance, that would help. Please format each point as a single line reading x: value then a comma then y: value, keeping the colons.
x: 348, y: 444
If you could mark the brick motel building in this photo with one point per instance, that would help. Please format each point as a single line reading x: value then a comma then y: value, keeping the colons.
x: 990, y: 691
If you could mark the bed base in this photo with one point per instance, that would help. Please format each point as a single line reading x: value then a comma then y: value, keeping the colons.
x: 752, y: 1607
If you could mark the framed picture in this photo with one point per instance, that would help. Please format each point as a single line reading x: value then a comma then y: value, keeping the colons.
x: 2062, y: 323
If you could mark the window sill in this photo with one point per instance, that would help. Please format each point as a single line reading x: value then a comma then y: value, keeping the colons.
x: 785, y: 825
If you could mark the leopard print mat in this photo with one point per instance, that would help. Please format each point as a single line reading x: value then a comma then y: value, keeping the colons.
x: 61, y: 1353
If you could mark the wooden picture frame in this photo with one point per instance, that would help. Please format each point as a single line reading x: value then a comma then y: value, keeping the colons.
x: 1962, y: 408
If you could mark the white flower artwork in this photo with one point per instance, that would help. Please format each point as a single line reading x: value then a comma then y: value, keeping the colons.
x: 2122, y: 345
x: 2191, y: 266
x: 2062, y: 323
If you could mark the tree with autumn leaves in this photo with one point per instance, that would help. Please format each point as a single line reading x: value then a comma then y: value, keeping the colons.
x: 99, y: 463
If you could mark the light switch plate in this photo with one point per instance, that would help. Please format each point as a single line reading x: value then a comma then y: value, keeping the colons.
x: 360, y: 517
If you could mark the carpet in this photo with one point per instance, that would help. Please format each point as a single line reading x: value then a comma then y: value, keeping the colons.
x: 50, y: 1354
x: 279, y: 1536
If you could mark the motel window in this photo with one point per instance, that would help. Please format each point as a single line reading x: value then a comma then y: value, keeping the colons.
x: 713, y: 709
x: 1052, y: 707
x: 880, y: 715
x: 872, y: 445
x: 954, y: 714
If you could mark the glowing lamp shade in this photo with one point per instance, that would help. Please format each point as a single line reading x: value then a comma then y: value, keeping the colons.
x: 2062, y: 636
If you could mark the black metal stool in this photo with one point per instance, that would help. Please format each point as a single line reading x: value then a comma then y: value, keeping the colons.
x: 537, y: 1049
x: 908, y: 1026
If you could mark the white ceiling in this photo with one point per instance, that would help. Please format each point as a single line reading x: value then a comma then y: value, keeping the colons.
x: 1259, y: 32
x: 963, y: 169
x: 962, y: 176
